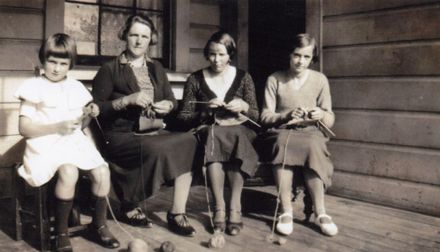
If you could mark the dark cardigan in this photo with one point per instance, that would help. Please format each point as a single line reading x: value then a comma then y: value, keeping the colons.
x: 116, y: 79
x: 196, y: 89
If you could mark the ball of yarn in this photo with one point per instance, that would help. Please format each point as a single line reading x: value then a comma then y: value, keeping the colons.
x: 217, y: 241
x: 167, y: 246
x: 281, y: 241
x: 137, y: 245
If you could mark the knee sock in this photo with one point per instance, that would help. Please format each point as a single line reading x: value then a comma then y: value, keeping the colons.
x: 99, y: 211
x: 62, y: 211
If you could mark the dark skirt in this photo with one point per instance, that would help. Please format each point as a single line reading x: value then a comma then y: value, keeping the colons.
x: 144, y: 163
x: 230, y: 144
x: 306, y: 147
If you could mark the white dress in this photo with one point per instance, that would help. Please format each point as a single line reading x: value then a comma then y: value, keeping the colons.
x: 47, y: 102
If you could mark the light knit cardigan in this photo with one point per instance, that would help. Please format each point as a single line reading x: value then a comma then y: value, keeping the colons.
x: 281, y: 97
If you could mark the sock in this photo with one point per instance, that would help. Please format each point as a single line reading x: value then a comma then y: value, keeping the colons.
x: 62, y: 211
x: 63, y: 208
x: 99, y: 211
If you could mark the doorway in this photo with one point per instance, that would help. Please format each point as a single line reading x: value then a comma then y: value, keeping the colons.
x: 272, y: 26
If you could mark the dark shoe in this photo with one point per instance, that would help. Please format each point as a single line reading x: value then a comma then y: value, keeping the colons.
x: 62, y: 243
x: 104, y: 237
x: 219, y: 222
x: 234, y: 227
x: 136, y: 217
x: 179, y: 224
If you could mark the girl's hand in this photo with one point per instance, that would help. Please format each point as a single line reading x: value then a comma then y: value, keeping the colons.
x: 216, y: 103
x: 140, y: 99
x: 163, y: 107
x: 316, y: 113
x: 67, y: 127
x: 237, y: 105
x: 91, y: 110
x: 297, y: 113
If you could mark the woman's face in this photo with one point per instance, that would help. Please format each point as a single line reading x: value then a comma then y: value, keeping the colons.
x: 300, y: 59
x: 55, y: 69
x: 218, y: 57
x: 138, y: 40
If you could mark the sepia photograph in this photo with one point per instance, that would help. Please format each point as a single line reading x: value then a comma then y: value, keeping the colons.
x: 220, y: 125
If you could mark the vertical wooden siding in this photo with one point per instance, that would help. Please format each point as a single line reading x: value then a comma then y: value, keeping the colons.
x: 382, y: 60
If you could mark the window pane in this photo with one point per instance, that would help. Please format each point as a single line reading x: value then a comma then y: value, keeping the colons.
x: 157, y: 18
x: 126, y: 3
x: 81, y: 22
x: 112, y: 21
x: 150, y: 4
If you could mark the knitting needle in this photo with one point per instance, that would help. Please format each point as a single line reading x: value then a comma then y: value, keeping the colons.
x: 247, y: 118
x: 327, y: 129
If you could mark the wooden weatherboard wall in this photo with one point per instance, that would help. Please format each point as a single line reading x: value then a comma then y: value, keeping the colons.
x: 196, y: 20
x: 382, y: 59
x: 24, y: 26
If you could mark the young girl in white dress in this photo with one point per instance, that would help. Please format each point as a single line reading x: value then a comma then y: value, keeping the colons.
x: 52, y: 116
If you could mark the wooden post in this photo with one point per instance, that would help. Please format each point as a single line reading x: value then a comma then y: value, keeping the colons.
x: 180, y: 61
x: 314, y: 26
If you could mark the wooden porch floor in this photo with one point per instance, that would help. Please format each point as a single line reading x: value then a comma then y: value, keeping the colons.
x: 363, y: 227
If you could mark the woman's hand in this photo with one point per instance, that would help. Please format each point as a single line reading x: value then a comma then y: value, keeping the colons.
x: 67, y: 127
x: 216, y: 103
x: 140, y: 99
x: 162, y: 107
x: 316, y: 113
x: 237, y: 105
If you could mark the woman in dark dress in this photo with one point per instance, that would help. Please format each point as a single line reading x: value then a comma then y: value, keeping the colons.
x: 130, y: 90
x: 216, y: 102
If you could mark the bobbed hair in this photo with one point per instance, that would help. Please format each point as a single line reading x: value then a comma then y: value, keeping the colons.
x: 58, y: 45
x: 138, y: 18
x: 224, y: 38
x: 303, y: 40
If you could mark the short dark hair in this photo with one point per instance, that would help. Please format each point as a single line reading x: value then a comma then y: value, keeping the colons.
x: 138, y: 18
x: 58, y: 45
x: 303, y: 40
x: 224, y: 38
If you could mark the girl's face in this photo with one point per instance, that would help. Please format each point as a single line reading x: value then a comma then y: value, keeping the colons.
x: 138, y: 40
x: 218, y: 57
x: 300, y: 59
x: 55, y: 69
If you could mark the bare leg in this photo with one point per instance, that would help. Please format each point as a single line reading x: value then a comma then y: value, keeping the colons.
x: 216, y: 175
x: 100, y: 181
x: 316, y: 189
x: 67, y: 178
x: 236, y: 181
x: 284, y: 181
x: 182, y: 185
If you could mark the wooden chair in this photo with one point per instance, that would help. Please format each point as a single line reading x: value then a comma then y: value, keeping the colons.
x: 38, y: 216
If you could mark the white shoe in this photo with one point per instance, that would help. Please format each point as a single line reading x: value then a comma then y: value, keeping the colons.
x: 330, y: 228
x: 285, y: 228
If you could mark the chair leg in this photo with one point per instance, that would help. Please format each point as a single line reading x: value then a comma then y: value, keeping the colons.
x: 75, y: 216
x: 42, y: 222
x: 308, y: 205
x: 17, y: 196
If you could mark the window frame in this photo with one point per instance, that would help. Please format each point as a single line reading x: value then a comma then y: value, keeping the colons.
x: 167, y: 11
